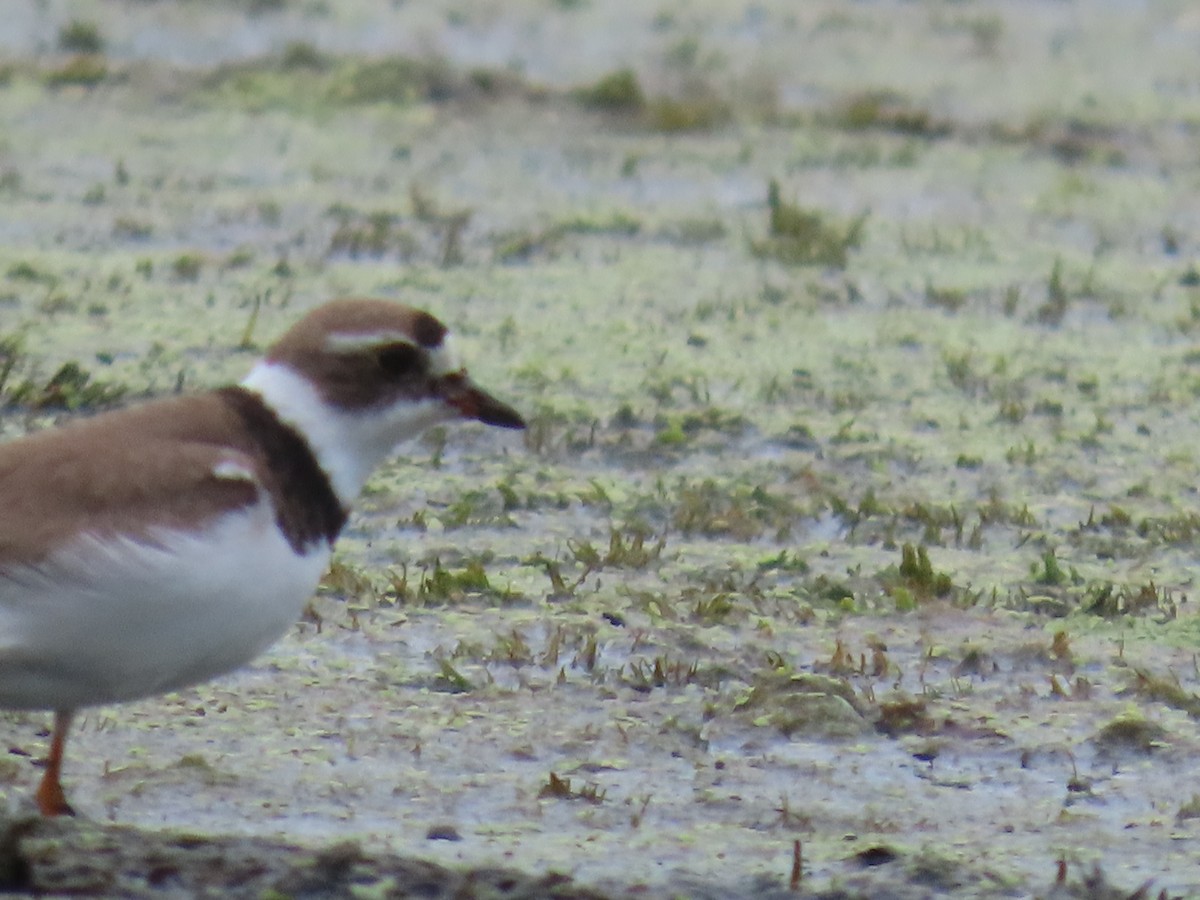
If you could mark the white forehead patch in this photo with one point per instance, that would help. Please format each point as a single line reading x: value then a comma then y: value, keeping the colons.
x: 445, y: 359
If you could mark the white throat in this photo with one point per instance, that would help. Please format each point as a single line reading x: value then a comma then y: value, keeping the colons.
x: 348, y: 445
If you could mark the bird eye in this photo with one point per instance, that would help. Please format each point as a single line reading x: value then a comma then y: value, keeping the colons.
x: 399, y: 359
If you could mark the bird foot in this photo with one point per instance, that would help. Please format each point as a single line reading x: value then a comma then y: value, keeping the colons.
x: 51, y: 801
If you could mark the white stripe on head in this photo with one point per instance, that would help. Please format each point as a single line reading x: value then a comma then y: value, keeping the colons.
x: 443, y: 359
x: 232, y: 470
x: 353, y: 341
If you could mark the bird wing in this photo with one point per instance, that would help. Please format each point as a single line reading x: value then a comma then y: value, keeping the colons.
x: 173, y: 464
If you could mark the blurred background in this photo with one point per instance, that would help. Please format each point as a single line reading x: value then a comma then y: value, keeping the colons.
x: 858, y: 342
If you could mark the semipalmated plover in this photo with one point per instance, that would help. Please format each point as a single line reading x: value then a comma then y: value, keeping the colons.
x: 150, y: 548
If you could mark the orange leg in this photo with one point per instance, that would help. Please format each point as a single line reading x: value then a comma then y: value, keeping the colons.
x: 50, y: 798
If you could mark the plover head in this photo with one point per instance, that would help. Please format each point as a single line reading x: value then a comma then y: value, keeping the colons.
x: 358, y: 377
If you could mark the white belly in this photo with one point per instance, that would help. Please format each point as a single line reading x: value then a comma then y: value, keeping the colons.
x: 115, y: 620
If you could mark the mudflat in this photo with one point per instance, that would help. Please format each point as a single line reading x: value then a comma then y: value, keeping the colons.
x: 850, y: 550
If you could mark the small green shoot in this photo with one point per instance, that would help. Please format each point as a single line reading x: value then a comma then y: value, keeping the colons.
x: 451, y: 681
x: 918, y: 574
x: 80, y: 36
x: 802, y: 237
x: 662, y: 672
x: 256, y: 304
x: 1054, y: 309
x: 619, y: 92
x: 1049, y: 572
x: 626, y: 550
x: 557, y: 788
x: 187, y: 266
x: 441, y: 586
x: 1110, y: 601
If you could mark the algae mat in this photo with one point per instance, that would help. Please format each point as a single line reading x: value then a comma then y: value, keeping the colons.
x: 851, y: 546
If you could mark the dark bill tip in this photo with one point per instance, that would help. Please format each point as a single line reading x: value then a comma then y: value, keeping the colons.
x: 491, y: 411
x: 475, y: 403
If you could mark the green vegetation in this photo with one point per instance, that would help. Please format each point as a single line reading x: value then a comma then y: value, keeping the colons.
x: 802, y: 237
x: 303, y: 80
x: 619, y: 91
x: 888, y: 111
x: 812, y: 706
x: 697, y: 105
x: 374, y: 234
x: 915, y: 580
x: 187, y: 266
x: 85, y: 71
x: 711, y: 509
x: 558, y: 788
x: 919, y: 487
x: 1130, y: 732
x: 70, y: 387
x: 80, y: 36
x: 698, y: 110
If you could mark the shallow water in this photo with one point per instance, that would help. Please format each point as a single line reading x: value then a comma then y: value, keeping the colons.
x: 1003, y: 374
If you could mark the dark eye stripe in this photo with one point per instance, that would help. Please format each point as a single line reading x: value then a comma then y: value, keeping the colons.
x: 400, y: 359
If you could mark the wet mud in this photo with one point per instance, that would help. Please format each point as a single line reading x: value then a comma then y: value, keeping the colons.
x: 850, y: 550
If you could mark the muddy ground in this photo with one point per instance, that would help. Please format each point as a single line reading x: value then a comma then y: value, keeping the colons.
x: 858, y: 510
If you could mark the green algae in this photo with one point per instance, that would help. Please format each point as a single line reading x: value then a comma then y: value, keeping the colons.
x: 888, y: 465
